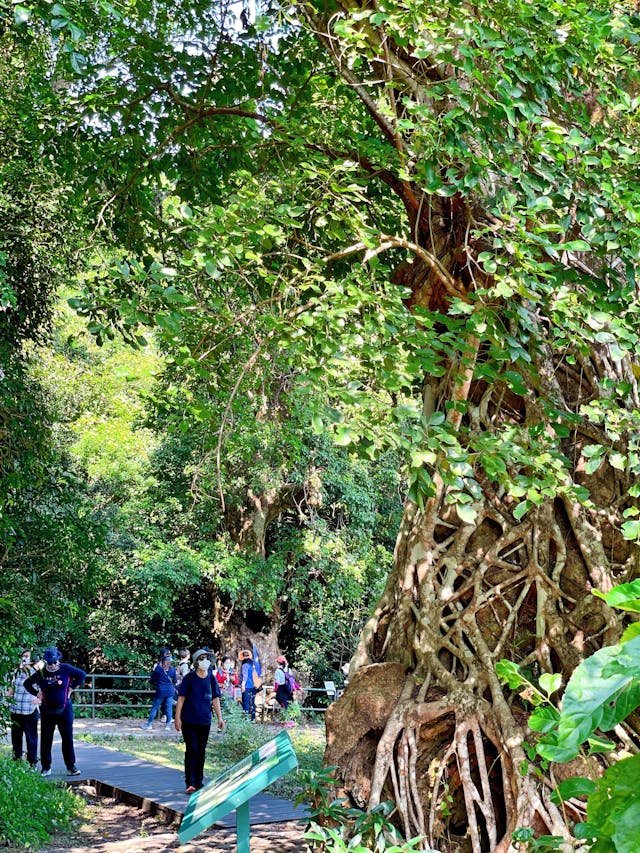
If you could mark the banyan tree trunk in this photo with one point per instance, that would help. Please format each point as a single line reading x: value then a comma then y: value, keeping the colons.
x: 424, y: 721
x: 429, y: 725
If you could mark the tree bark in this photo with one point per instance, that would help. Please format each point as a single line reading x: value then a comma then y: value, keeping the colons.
x: 424, y: 721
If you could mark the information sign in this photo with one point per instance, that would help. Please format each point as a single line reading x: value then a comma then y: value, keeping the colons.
x: 233, y: 789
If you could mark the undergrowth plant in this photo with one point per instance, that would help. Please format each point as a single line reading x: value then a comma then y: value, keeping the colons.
x: 336, y: 827
x: 241, y: 737
x: 31, y: 809
x: 602, y: 692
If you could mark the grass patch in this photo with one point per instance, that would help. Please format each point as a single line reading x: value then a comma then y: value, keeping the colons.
x: 31, y: 809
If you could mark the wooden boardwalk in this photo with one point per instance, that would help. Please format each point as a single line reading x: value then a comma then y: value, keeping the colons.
x: 154, y: 788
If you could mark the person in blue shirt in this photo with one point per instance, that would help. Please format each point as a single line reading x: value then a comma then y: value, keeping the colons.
x: 249, y: 684
x: 53, y: 685
x: 198, y: 696
x: 164, y: 679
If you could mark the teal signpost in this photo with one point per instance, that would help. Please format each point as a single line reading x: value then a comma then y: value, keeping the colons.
x: 235, y: 787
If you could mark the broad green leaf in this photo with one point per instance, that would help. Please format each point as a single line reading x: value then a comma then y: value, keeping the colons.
x: 613, y: 810
x: 625, y: 596
x: 596, y: 697
x: 630, y: 632
x: 544, y: 719
x: 576, y: 786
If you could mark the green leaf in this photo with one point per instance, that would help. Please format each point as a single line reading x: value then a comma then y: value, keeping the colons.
x: 602, y: 691
x: 631, y: 632
x: 550, y: 682
x: 21, y: 14
x: 613, y: 810
x: 466, y: 513
x: 544, y: 719
x: 509, y: 672
x: 576, y: 786
x: 343, y: 436
x: 631, y: 529
x: 625, y: 596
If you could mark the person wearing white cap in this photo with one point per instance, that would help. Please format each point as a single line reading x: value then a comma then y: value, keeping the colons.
x: 198, y: 696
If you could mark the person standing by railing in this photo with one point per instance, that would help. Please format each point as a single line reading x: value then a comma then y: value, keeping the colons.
x: 52, y: 685
x: 24, y: 714
x: 163, y: 677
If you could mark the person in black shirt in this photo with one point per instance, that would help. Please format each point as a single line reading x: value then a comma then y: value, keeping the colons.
x: 53, y: 685
x: 198, y: 696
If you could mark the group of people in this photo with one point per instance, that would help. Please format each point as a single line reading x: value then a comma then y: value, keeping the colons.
x: 41, y: 690
x: 197, y: 685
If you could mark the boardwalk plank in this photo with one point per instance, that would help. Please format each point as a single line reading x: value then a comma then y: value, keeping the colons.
x: 158, y: 788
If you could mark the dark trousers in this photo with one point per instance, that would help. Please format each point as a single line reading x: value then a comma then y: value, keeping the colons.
x: 283, y: 695
x: 195, y: 746
x: 64, y: 722
x: 27, y: 725
x: 249, y: 702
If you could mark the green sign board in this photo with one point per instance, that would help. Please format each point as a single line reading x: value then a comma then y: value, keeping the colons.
x: 235, y: 787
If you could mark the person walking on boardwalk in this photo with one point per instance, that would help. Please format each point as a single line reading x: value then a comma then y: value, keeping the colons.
x: 198, y: 696
x: 53, y: 685
x: 163, y: 677
x: 24, y: 714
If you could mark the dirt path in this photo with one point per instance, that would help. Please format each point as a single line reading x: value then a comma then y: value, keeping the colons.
x: 113, y: 827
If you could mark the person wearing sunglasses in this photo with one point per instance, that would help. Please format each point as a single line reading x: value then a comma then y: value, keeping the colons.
x: 198, y: 699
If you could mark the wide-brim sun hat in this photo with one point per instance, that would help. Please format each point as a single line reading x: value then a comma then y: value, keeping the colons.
x: 199, y: 653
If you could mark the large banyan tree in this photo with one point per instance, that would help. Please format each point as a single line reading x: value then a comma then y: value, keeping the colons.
x: 428, y: 213
x: 513, y: 125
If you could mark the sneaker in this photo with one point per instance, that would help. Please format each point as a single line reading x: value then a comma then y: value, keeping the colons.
x: 73, y: 771
x: 169, y: 727
x: 147, y: 727
x: 190, y: 790
x: 45, y: 772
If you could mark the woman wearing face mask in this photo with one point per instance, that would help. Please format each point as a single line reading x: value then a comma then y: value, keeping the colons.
x: 198, y: 696
x: 54, y: 683
x: 24, y: 713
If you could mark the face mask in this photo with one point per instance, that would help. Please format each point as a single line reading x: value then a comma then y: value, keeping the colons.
x: 204, y: 664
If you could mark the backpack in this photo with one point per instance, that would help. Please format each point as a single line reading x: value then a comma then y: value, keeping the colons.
x: 290, y: 681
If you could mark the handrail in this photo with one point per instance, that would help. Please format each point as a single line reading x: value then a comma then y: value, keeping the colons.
x: 93, y: 688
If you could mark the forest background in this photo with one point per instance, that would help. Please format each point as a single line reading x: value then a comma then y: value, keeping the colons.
x: 362, y: 376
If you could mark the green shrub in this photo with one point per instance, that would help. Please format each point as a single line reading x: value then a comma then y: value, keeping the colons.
x: 241, y: 736
x: 31, y: 809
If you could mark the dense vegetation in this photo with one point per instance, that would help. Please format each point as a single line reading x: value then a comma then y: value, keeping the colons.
x: 365, y: 245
